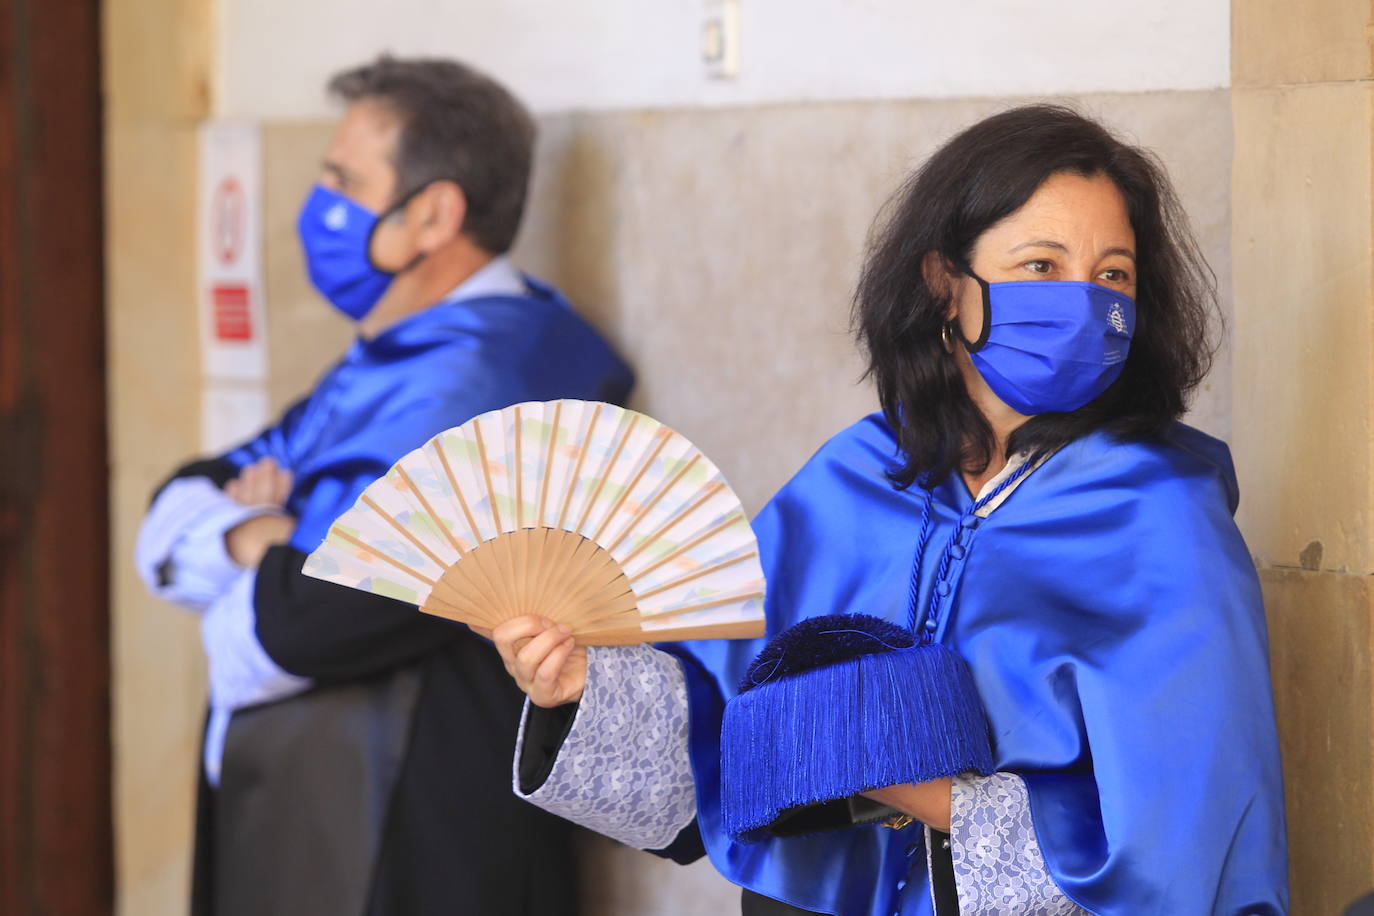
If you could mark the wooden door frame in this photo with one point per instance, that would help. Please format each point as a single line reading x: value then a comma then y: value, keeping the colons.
x: 55, y: 800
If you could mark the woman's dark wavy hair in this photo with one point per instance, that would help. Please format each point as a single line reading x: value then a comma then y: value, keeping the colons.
x: 972, y: 182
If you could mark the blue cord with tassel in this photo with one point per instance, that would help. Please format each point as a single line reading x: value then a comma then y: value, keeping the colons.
x: 931, y: 620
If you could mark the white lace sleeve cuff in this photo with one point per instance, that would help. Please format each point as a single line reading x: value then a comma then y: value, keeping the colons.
x: 180, y: 552
x: 998, y: 865
x: 623, y: 769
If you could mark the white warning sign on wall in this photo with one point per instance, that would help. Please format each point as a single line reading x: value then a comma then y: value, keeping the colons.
x: 233, y: 326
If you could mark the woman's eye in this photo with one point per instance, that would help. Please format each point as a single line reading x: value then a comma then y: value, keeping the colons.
x: 1115, y: 275
x: 1039, y: 267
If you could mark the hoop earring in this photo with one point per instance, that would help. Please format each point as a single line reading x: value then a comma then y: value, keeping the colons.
x: 947, y: 338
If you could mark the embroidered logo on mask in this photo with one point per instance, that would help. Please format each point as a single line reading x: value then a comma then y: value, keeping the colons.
x: 336, y: 217
x: 1117, y: 318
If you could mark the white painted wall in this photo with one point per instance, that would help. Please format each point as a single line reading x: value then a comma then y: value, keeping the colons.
x: 274, y: 56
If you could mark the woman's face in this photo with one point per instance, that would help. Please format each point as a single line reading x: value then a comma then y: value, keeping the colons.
x: 1072, y: 228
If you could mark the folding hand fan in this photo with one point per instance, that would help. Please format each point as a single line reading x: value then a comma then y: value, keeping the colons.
x: 581, y: 512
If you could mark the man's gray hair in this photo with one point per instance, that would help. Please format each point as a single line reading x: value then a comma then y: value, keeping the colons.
x: 457, y: 124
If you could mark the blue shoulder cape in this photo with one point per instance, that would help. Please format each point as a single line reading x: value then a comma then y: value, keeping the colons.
x: 1112, y: 619
x: 432, y: 371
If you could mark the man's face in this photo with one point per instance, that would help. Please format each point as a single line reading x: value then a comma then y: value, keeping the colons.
x: 360, y: 160
x: 360, y: 164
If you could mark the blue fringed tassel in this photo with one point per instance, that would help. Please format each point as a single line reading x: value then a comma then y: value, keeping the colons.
x: 902, y: 716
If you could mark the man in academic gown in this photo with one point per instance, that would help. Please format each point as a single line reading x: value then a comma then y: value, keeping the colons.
x: 356, y: 750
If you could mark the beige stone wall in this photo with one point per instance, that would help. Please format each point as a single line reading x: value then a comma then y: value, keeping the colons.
x: 155, y: 89
x: 1304, y: 284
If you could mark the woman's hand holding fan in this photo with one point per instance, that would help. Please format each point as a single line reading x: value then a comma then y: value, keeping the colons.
x: 596, y: 518
x: 543, y: 658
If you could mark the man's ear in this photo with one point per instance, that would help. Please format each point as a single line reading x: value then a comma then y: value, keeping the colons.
x: 942, y: 279
x: 439, y: 213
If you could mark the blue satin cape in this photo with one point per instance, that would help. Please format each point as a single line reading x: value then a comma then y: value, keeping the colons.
x: 431, y: 371
x: 1112, y: 619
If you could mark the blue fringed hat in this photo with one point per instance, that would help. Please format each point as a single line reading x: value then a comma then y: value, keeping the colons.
x: 839, y: 705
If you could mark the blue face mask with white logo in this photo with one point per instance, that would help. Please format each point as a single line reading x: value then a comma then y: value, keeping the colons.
x: 1051, y: 346
x: 336, y: 234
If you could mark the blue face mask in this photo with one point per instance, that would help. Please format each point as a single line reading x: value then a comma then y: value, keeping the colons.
x: 1051, y: 346
x: 336, y: 234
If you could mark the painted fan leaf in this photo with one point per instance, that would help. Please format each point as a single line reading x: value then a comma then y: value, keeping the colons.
x: 582, y: 512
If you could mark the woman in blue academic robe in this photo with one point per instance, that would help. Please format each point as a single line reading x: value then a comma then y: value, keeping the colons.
x: 1035, y: 315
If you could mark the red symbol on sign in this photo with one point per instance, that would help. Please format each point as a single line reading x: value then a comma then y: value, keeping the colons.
x: 227, y: 220
x: 233, y: 319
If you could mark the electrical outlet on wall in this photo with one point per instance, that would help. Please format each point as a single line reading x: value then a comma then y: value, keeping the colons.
x: 720, y: 38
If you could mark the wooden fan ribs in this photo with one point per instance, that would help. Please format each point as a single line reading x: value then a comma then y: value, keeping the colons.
x: 383, y: 556
x: 474, y: 533
x: 687, y: 547
x: 547, y: 470
x: 410, y: 484
x: 660, y: 439
x: 404, y: 532
x: 457, y: 490
x: 556, y: 563
x: 604, y: 474
x: 654, y: 500
x: 697, y: 574
x: 486, y: 475
x: 573, y: 481
x: 519, y: 474
x: 672, y: 522
x: 520, y: 556
x: 535, y: 585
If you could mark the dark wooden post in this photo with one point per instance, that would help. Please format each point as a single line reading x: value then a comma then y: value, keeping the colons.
x: 55, y: 821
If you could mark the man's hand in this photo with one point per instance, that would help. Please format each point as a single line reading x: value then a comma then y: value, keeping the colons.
x: 543, y: 658
x: 248, y: 542
x: 262, y: 483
